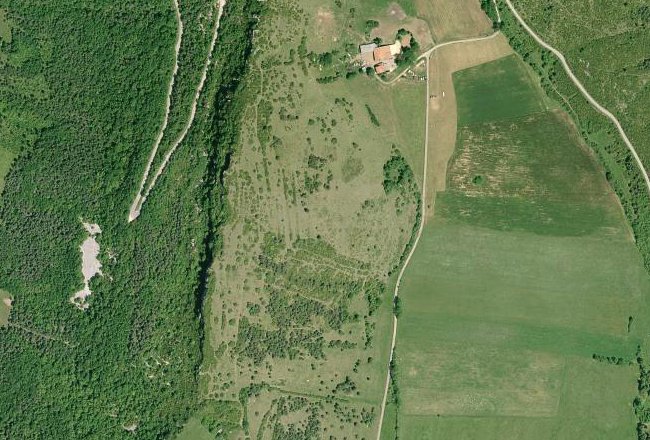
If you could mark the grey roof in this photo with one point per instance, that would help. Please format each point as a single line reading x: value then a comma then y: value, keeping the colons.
x: 364, y: 48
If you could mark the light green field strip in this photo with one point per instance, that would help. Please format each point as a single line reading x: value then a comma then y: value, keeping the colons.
x: 4, y: 308
x: 509, y: 93
x: 526, y: 271
x: 6, y: 157
x: 194, y: 430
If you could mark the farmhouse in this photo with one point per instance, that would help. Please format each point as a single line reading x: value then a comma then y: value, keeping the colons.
x: 382, y: 58
x: 366, y: 50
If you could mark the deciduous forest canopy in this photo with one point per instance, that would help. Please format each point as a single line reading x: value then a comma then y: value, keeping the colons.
x: 84, y: 85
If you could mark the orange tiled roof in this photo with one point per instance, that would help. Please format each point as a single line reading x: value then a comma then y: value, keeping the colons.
x: 382, y: 54
x: 380, y: 68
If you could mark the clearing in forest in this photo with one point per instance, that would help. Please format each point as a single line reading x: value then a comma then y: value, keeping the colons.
x: 6, y: 157
x: 524, y: 302
x: 5, y: 307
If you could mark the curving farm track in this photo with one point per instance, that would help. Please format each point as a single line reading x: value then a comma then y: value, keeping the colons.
x: 425, y: 56
x: 582, y: 90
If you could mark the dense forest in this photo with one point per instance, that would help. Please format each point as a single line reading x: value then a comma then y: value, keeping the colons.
x: 129, y: 362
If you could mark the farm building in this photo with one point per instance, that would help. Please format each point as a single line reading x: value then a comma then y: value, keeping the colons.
x: 382, y: 58
x: 367, y: 50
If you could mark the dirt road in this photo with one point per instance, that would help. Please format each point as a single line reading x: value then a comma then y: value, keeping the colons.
x: 426, y: 56
x: 170, y: 87
x: 141, y: 198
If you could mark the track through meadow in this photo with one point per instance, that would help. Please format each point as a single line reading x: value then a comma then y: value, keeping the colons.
x: 426, y: 57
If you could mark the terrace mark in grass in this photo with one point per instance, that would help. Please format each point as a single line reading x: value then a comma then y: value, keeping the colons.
x: 373, y: 117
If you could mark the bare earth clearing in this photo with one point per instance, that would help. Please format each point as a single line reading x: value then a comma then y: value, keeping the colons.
x: 90, y: 265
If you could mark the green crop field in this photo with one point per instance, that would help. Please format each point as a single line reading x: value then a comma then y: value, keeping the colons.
x: 524, y: 303
x: 509, y: 94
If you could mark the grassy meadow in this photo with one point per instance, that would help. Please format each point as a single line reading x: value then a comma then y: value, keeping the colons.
x: 6, y: 158
x: 194, y: 430
x: 524, y: 303
x: 298, y: 321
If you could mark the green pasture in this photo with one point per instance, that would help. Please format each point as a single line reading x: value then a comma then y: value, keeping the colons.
x: 380, y: 6
x: 194, y: 430
x: 5, y: 27
x: 498, y: 90
x: 315, y: 139
x: 526, y: 271
x: 6, y: 157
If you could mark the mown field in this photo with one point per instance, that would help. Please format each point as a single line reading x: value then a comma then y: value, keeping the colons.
x: 525, y: 301
x: 323, y: 196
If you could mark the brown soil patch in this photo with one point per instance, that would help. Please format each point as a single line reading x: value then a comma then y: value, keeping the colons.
x: 325, y: 26
x: 6, y: 302
x: 454, y: 19
x: 442, y: 101
x: 395, y: 10
x: 388, y: 27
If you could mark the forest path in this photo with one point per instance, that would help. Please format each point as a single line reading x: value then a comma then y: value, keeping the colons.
x: 142, y: 195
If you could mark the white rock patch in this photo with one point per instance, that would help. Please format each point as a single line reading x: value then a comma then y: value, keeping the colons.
x: 90, y: 265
